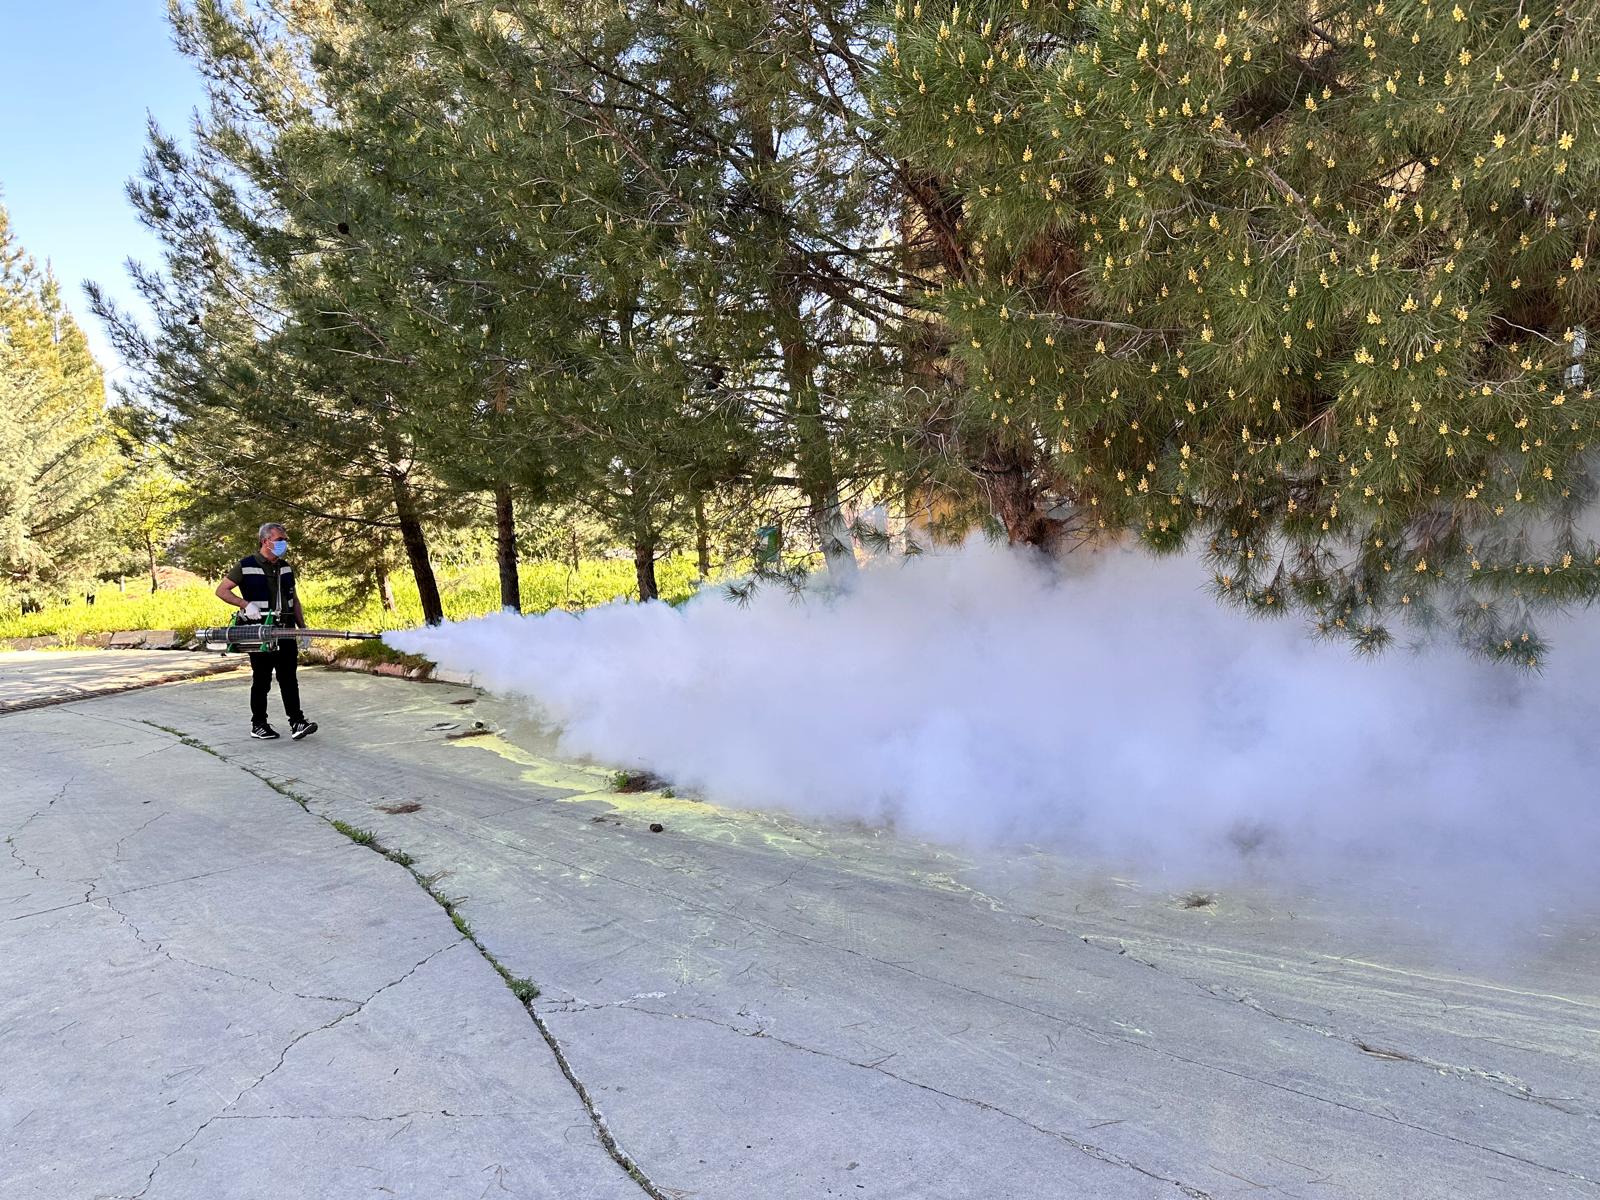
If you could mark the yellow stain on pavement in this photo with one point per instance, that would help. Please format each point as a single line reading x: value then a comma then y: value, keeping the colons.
x: 541, y: 771
x: 585, y: 782
x: 588, y: 784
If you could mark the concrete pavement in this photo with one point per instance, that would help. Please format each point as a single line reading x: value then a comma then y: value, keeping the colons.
x: 207, y: 992
x: 30, y: 678
x: 212, y: 993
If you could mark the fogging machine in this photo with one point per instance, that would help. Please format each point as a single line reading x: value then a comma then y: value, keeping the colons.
x: 245, y: 636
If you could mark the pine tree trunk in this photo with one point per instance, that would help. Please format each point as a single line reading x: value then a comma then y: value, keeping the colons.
x: 416, y: 543
x: 155, y: 582
x: 505, y: 518
x: 505, y: 545
x: 644, y: 564
x: 411, y: 531
x: 702, y: 537
x: 932, y: 246
x: 380, y: 570
x: 813, y: 448
x: 1013, y: 495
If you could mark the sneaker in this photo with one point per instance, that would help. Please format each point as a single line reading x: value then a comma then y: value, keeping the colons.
x: 265, y: 732
x: 301, y: 729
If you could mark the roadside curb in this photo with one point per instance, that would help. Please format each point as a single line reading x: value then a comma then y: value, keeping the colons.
x: 126, y: 639
x: 16, y: 706
x: 170, y: 640
x: 425, y: 674
x: 56, y: 641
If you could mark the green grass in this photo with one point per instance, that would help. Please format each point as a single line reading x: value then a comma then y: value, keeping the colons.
x: 634, y: 781
x: 361, y: 837
x: 370, y: 653
x: 466, y: 593
x: 113, y: 611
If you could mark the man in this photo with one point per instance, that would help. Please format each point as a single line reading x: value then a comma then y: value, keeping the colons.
x: 267, y: 582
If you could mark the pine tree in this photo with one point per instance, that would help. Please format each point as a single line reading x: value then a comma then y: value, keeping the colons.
x: 705, y: 176
x: 58, y: 461
x: 274, y: 388
x: 1306, y: 288
x: 576, y: 357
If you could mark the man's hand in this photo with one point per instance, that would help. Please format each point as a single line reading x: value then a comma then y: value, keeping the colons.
x: 252, y: 611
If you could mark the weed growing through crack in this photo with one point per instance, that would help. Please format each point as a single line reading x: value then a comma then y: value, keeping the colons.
x: 303, y: 801
x: 196, y: 744
x: 523, y: 989
x: 192, y: 743
x: 361, y: 837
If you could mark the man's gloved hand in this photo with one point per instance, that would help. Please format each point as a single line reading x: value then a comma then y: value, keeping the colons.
x: 252, y: 611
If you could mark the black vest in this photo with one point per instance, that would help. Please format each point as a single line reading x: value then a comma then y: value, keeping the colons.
x: 256, y: 584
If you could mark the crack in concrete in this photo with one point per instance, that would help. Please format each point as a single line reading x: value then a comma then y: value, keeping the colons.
x: 11, y: 845
x: 1439, y: 1133
x: 761, y: 1032
x: 575, y: 1004
x: 11, y: 838
x: 283, y: 1056
x: 1500, y: 1081
x: 597, y: 1119
x: 1087, y: 1030
x: 116, y: 856
x: 405, y: 1116
x: 602, y: 1132
x: 159, y: 947
x: 1133, y: 1042
x: 1099, y: 1153
x: 144, y: 887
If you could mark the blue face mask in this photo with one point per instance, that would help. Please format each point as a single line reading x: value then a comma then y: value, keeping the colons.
x: 280, y: 547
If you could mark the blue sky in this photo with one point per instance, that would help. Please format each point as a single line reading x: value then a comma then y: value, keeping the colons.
x: 77, y: 80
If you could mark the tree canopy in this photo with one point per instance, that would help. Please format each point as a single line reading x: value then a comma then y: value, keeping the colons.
x: 1303, y: 288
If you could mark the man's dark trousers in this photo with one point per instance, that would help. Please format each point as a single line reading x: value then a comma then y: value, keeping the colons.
x: 262, y: 666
